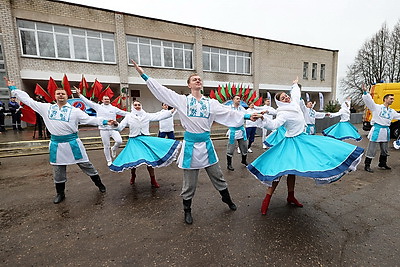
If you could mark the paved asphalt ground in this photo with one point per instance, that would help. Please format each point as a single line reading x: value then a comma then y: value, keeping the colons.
x: 353, y: 222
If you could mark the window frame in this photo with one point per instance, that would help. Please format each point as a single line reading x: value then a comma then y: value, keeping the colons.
x: 71, y: 34
x: 322, y: 72
x: 314, y: 71
x: 166, y: 47
x: 233, y: 59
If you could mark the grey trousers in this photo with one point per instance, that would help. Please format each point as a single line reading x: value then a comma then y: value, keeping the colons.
x: 371, y: 150
x: 60, y: 171
x: 190, y: 178
x: 242, y: 146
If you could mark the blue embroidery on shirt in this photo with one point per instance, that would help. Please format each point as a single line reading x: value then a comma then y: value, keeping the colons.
x: 57, y: 114
x: 200, y: 109
x: 386, y: 113
x: 312, y: 113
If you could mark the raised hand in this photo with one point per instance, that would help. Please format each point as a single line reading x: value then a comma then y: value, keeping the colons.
x: 296, y: 80
x: 8, y: 82
x: 138, y: 69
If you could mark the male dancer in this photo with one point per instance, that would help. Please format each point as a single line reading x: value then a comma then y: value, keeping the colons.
x: 197, y: 114
x: 236, y: 133
x: 65, y: 147
x: 107, y: 112
x: 310, y: 115
x: 270, y: 112
x: 382, y: 116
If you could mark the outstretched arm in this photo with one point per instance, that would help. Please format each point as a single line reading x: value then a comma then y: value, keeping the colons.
x: 163, y: 94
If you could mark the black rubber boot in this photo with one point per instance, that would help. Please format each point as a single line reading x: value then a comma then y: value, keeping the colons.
x: 382, y: 163
x: 226, y: 198
x: 244, y: 160
x: 97, y: 181
x: 229, y: 162
x: 367, y: 166
x: 60, y: 188
x: 188, y: 211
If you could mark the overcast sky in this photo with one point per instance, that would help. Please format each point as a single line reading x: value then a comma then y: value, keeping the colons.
x: 342, y: 25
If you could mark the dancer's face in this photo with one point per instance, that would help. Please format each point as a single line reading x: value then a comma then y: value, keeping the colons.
x: 137, y: 105
x: 106, y: 100
x: 195, y: 83
x: 61, y: 96
x: 284, y: 98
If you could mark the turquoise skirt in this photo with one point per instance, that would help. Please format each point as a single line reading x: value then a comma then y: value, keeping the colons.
x: 275, y: 137
x: 342, y: 130
x: 148, y: 150
x: 321, y: 158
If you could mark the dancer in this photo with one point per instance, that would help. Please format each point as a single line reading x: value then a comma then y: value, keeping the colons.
x: 62, y: 120
x: 197, y: 114
x: 382, y: 116
x: 324, y: 159
x: 108, y: 112
x: 251, y: 127
x: 236, y: 134
x: 344, y: 129
x: 166, y: 126
x: 310, y: 115
x: 269, y: 112
x: 142, y: 148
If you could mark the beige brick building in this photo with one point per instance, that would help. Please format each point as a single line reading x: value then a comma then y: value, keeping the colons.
x: 42, y: 38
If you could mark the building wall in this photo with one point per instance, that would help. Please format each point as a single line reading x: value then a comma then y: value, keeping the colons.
x: 274, y: 64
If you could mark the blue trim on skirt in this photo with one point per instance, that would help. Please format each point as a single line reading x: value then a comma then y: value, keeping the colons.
x: 149, y: 150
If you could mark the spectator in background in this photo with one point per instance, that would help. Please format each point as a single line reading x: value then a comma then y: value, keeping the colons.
x: 166, y: 126
x: 15, y: 109
x: 2, y: 117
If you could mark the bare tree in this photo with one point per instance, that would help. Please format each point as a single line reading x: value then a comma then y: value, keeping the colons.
x: 377, y: 61
x: 394, y: 55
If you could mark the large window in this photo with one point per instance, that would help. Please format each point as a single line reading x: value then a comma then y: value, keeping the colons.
x: 224, y: 60
x: 314, y: 71
x: 61, y: 42
x: 322, y: 72
x: 305, y: 70
x: 159, y: 53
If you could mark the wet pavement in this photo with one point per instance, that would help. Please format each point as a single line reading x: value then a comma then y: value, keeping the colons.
x: 353, y: 222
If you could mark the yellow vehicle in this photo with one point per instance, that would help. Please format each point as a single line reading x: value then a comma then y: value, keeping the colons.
x: 378, y: 91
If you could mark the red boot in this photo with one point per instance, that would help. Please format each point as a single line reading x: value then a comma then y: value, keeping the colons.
x: 133, y: 177
x: 265, y: 204
x: 154, y: 182
x: 292, y: 200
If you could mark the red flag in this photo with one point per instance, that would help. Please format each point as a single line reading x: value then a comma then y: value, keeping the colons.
x: 96, y: 89
x: 259, y: 102
x: 233, y: 90
x: 212, y: 94
x: 246, y: 93
x: 84, y: 86
x: 253, y: 96
x: 241, y: 91
x: 108, y: 92
x: 65, y: 84
x: 220, y: 96
x: 40, y: 91
x: 51, y: 88
x: 118, y: 103
x: 28, y: 114
x: 227, y: 92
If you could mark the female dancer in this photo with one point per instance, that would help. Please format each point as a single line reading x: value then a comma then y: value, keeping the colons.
x: 142, y: 148
x: 324, y: 159
x: 343, y: 129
